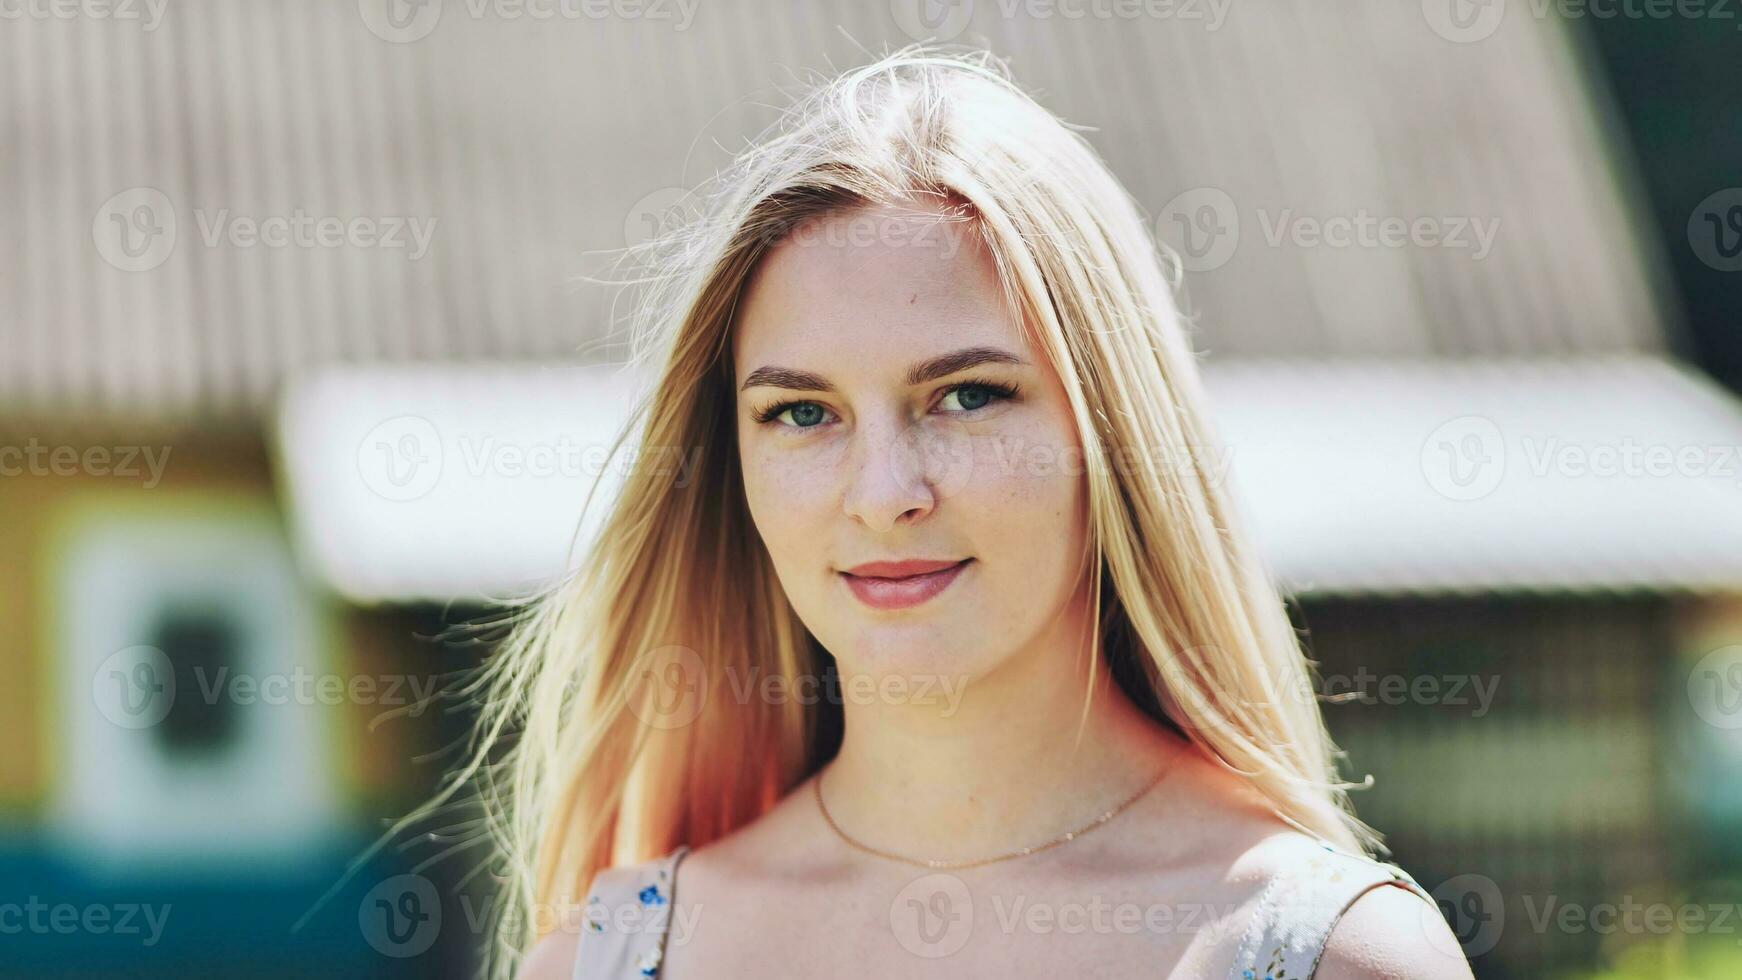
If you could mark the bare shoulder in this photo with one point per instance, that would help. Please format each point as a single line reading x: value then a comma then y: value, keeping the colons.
x: 777, y: 846
x: 1387, y: 933
x: 1390, y: 933
x: 1217, y: 817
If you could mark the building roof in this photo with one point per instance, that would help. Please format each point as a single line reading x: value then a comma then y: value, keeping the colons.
x: 1356, y: 477
x: 529, y: 147
x: 1370, y: 476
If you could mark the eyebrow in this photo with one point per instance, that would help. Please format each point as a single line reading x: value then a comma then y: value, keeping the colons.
x: 941, y: 366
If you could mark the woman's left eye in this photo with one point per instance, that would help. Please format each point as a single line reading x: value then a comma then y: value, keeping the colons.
x: 973, y: 396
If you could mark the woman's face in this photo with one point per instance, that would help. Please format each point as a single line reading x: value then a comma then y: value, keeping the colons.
x: 890, y: 409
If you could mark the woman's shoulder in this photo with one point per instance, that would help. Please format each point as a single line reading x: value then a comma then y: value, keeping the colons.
x: 1294, y: 902
x: 619, y: 931
x: 1327, y: 912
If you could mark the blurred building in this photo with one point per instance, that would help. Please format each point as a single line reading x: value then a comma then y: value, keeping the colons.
x: 324, y: 263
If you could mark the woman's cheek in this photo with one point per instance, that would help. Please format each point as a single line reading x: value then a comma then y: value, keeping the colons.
x: 790, y: 491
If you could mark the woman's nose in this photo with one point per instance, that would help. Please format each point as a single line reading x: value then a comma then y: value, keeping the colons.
x: 900, y: 470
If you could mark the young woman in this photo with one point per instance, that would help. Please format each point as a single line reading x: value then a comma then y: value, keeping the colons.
x: 947, y: 658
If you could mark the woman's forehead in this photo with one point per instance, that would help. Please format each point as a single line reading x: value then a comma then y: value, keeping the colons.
x: 872, y: 281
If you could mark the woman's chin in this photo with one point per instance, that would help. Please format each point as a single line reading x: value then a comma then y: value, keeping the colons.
x: 894, y: 655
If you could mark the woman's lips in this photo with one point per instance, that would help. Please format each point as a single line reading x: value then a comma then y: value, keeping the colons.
x: 903, y: 592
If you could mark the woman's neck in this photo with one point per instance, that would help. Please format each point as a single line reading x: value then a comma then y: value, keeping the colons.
x: 1011, y: 762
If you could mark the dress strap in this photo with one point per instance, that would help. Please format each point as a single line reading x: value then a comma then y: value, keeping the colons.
x: 626, y: 920
x: 1301, y: 905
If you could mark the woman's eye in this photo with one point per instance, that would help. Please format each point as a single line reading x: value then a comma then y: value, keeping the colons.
x: 805, y: 415
x: 959, y: 399
x: 970, y: 397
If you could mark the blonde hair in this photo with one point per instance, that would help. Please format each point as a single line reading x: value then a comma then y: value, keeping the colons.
x: 676, y: 577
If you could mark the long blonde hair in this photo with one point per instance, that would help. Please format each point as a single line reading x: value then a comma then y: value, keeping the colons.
x: 676, y: 589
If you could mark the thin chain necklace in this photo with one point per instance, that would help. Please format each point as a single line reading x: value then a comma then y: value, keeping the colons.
x: 1065, y: 838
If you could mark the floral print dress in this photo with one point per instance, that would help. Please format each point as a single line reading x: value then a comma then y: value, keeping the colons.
x: 629, y: 914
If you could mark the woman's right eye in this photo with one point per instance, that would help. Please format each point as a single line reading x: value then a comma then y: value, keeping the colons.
x: 804, y: 415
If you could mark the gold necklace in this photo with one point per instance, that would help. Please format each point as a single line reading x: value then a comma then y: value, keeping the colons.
x: 1065, y: 838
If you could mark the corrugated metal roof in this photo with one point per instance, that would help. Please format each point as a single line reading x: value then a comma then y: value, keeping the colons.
x: 528, y: 142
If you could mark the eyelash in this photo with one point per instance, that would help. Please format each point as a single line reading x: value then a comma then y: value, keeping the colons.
x: 1002, y: 391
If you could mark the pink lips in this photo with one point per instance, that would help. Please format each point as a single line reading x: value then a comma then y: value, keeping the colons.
x: 901, y: 584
